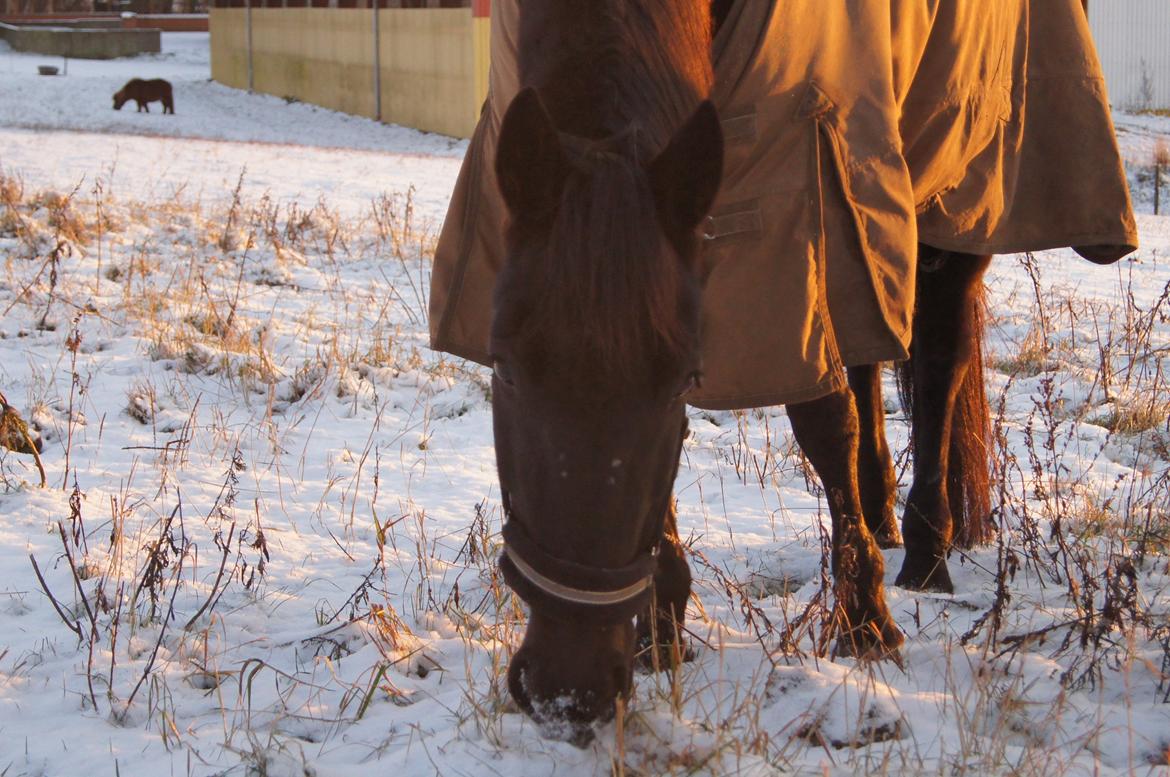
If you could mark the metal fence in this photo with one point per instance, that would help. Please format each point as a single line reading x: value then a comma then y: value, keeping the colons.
x: 1133, y: 42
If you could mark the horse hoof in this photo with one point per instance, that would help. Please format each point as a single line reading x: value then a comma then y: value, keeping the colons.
x: 887, y: 538
x: 936, y: 579
x: 871, y: 642
x: 885, y: 533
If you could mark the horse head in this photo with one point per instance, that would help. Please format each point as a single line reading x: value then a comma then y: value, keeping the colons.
x: 595, y: 344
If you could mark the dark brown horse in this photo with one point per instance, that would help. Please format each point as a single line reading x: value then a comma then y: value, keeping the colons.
x: 145, y: 91
x: 608, y: 160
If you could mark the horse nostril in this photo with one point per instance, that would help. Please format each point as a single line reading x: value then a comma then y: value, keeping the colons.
x: 581, y: 735
x: 517, y: 682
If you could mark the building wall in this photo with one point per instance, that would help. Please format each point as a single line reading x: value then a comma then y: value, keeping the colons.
x: 81, y: 43
x: 1133, y: 42
x: 229, y: 47
x: 432, y: 62
x: 428, y: 69
x: 171, y: 22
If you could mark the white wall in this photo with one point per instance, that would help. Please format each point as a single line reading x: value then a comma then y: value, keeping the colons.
x: 1133, y: 41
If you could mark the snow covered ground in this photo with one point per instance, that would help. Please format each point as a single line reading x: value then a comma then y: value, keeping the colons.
x: 271, y: 512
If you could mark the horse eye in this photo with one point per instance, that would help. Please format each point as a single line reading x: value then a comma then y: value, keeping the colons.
x: 500, y: 370
x: 693, y: 381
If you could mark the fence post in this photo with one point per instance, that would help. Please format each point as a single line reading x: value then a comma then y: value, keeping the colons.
x: 374, y: 4
x: 248, y: 29
x: 1157, y: 185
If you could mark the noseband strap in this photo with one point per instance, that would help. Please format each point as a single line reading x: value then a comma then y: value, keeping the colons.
x: 578, y: 595
x: 567, y: 590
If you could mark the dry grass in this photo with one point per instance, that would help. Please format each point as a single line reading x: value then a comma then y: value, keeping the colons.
x: 154, y: 574
x: 1161, y: 154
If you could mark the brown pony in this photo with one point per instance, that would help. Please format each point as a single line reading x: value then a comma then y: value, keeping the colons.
x: 144, y: 92
x: 607, y: 160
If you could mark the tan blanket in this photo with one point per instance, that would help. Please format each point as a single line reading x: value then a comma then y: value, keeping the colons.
x: 1006, y: 128
x: 810, y: 256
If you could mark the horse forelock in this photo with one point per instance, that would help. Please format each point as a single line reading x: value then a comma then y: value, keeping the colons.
x: 612, y: 283
x: 606, y: 283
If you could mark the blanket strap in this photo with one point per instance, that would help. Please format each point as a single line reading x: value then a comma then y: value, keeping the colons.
x: 743, y: 219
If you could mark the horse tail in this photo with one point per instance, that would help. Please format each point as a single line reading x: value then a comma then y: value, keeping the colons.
x: 968, y: 460
x: 904, y: 375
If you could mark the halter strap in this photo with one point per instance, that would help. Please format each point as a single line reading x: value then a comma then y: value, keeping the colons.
x: 578, y: 595
x: 567, y: 590
x: 619, y: 142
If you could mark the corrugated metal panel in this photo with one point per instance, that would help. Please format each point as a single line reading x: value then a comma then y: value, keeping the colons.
x: 1133, y: 41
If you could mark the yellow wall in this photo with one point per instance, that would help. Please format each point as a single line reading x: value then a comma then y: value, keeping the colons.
x: 229, y: 51
x: 482, y: 32
x: 433, y: 61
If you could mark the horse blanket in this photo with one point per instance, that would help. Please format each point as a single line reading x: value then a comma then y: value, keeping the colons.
x: 853, y: 129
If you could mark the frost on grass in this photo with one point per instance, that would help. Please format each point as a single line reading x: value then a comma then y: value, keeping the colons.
x: 268, y: 541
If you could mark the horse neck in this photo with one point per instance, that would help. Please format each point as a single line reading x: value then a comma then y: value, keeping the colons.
x: 604, y: 65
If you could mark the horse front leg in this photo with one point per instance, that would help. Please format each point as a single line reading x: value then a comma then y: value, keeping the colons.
x: 941, y: 352
x: 875, y: 467
x: 661, y: 631
x: 827, y: 431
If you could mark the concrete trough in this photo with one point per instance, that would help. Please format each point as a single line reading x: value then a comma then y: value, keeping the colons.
x: 78, y: 42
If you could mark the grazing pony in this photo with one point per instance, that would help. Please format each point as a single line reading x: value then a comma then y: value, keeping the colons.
x: 588, y: 306
x: 144, y: 92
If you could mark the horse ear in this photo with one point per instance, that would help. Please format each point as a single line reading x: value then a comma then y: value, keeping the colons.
x: 686, y: 175
x: 530, y: 163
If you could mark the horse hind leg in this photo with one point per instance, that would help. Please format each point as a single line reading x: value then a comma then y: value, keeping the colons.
x: 875, y: 467
x: 660, y: 635
x: 827, y: 431
x: 941, y: 353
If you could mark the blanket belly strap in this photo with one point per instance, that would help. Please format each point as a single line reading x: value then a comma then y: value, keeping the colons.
x: 742, y: 218
x: 740, y: 129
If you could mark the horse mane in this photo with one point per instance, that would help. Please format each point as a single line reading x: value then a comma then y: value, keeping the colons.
x: 605, y: 64
x: 626, y: 76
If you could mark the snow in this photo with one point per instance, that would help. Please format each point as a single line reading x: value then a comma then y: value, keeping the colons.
x: 231, y: 343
